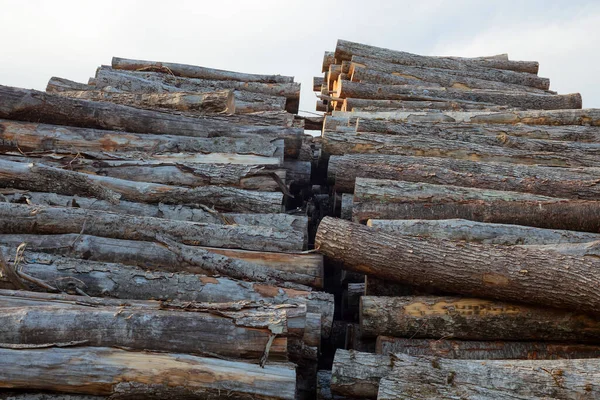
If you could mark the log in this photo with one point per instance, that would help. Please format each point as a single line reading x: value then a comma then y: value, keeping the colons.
x: 125, y: 374
x: 465, y: 147
x: 351, y: 104
x: 430, y: 378
x: 39, y: 177
x: 478, y: 350
x: 478, y: 232
x: 345, y: 50
x: 192, y: 103
x: 317, y: 82
x: 575, y: 183
x: 45, y: 396
x: 194, y: 71
x: 381, y: 287
x: 346, y: 206
x: 447, y: 77
x: 383, y: 199
x: 328, y: 59
x: 589, y: 249
x: 357, y: 375
x: 510, y: 273
x: 332, y: 75
x: 504, y: 98
x: 321, y: 106
x: 57, y: 85
x: 323, y: 387
x: 297, y: 171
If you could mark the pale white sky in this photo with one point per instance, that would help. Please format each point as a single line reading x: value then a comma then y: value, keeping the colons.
x: 68, y: 38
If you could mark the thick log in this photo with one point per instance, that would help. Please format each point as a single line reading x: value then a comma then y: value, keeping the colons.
x: 509, y: 273
x: 42, y: 178
x: 194, y: 71
x: 125, y: 374
x: 383, y: 199
x: 357, y: 375
x: 576, y: 183
x: 478, y: 350
x: 431, y: 378
x: 344, y: 50
x: 465, y: 147
x: 466, y: 318
x: 589, y: 249
x: 354, y: 105
x: 532, y: 101
x: 478, y: 232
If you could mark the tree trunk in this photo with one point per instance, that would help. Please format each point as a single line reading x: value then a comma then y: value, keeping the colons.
x: 577, y: 183
x: 504, y: 98
x: 38, y: 177
x: 126, y: 374
x: 345, y: 50
x: 357, y: 375
x: 509, y: 273
x: 431, y: 378
x: 351, y: 104
x: 383, y: 199
x: 478, y: 232
x: 477, y: 350
x: 493, y: 77
x: 465, y: 147
x: 504, y: 133
x: 193, y: 71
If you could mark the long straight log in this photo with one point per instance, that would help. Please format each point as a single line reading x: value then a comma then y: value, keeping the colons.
x: 194, y: 71
x: 344, y: 50
x: 479, y: 232
x: 38, y: 177
x: 383, y: 199
x: 509, y: 273
x: 430, y: 378
x: 328, y: 59
x: 125, y: 374
x: 438, y: 317
x: 532, y: 101
x: 575, y: 183
x: 478, y: 350
x: 351, y: 104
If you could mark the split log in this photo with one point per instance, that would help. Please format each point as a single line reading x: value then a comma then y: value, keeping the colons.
x: 344, y: 50
x: 510, y: 273
x: 532, y: 101
x: 431, y: 378
x: 328, y: 59
x: 39, y: 177
x: 577, y: 183
x: 383, y: 199
x: 126, y: 374
x: 194, y: 71
x: 192, y: 103
x: 477, y: 350
x: 466, y: 147
x: 351, y: 104
x: 446, y: 317
x: 357, y: 375
x: 478, y: 232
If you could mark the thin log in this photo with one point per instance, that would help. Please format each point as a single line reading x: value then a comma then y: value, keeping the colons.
x: 509, y: 273
x: 351, y: 104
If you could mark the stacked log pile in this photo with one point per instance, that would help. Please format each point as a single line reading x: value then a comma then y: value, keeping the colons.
x: 153, y: 237
x: 467, y: 247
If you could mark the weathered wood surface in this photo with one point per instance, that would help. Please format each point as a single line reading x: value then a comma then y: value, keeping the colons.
x: 528, y: 100
x: 57, y: 85
x: 575, y: 183
x: 467, y: 318
x: 345, y: 50
x: 479, y: 232
x: 328, y: 59
x: 493, y: 77
x: 125, y: 374
x: 465, y: 147
x: 194, y: 71
x: 509, y: 273
x: 385, y: 199
x: 380, y: 287
x: 489, y: 350
x: 357, y: 375
x: 9, y: 395
x: 42, y: 178
x: 297, y: 171
x: 351, y: 104
x: 431, y: 378
x: 588, y: 249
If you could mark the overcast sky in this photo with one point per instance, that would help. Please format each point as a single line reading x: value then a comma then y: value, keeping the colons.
x: 69, y: 39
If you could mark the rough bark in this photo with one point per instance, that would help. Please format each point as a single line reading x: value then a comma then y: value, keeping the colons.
x: 478, y: 350
x: 356, y: 375
x: 465, y: 147
x: 297, y: 171
x: 317, y: 82
x: 39, y: 177
x: 57, y: 85
x: 346, y: 206
x: 345, y: 50
x: 532, y: 101
x: 46, y: 396
x: 328, y: 59
x: 431, y: 378
x: 589, y: 249
x: 509, y: 273
x: 383, y: 199
x: 351, y: 104
x: 194, y: 71
x: 124, y: 374
x: 575, y: 183
x: 478, y: 232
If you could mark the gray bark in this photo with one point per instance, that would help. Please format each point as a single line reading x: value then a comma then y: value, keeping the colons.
x: 328, y: 59
x: 351, y: 104
x: 317, y: 82
x: 357, y: 375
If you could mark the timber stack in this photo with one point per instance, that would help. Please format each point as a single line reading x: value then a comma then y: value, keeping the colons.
x: 153, y: 237
x: 466, y: 243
